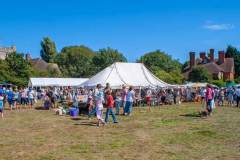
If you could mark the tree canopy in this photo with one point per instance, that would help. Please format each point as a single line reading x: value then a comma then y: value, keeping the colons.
x: 232, y: 52
x: 18, y: 70
x: 76, y: 61
x: 106, y: 57
x: 163, y: 66
x: 199, y: 74
x: 48, y: 50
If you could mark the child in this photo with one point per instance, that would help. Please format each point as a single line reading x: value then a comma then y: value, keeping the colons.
x: 1, y: 104
x: 118, y: 100
x: 110, y: 104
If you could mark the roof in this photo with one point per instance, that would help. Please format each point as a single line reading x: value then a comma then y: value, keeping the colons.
x: 212, y: 67
x: 130, y: 74
x: 39, y: 63
x: 49, y: 82
x: 228, y: 65
x: 42, y: 65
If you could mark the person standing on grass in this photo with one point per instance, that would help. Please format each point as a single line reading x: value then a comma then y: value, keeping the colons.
x: 118, y: 100
x: 107, y: 88
x: 31, y: 97
x: 22, y: 97
x: 15, y: 99
x: 230, y: 94
x: 90, y: 103
x: 221, y: 96
x: 99, y: 99
x: 124, y: 94
x: 176, y: 94
x: 93, y: 109
x: 1, y: 104
x: 209, y: 99
x: 110, y: 104
x: 203, y: 94
x: 10, y: 97
x: 130, y: 97
x: 238, y: 95
x: 149, y: 98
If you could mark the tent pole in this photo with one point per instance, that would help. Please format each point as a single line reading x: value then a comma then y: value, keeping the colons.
x: 140, y: 96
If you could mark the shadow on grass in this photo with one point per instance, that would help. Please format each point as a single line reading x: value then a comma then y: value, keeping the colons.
x: 40, y: 108
x: 86, y: 124
x: 192, y: 115
x: 77, y: 118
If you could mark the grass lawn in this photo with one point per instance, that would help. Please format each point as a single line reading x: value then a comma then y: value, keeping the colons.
x: 173, y: 132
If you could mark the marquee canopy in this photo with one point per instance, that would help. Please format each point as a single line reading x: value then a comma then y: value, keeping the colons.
x: 50, y: 82
x: 129, y: 74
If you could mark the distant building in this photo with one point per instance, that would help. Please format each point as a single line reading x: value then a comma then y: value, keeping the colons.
x: 40, y: 64
x: 221, y: 68
x: 4, y: 51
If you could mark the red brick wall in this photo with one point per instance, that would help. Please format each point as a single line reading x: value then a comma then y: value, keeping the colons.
x: 211, y: 55
x: 228, y: 76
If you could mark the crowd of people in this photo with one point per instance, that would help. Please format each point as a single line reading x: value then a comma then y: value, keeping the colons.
x: 16, y: 98
x: 116, y: 101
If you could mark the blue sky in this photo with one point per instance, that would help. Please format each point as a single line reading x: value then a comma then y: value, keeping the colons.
x: 134, y: 27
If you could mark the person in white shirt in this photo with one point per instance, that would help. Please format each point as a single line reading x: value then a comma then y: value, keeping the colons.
x: 31, y: 96
x: 130, y: 97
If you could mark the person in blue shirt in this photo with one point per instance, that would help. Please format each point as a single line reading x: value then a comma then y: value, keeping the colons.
x: 10, y: 97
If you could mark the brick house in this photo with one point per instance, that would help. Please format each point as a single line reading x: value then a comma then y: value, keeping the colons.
x: 220, y: 68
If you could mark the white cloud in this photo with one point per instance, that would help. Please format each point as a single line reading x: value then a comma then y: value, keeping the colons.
x: 219, y: 27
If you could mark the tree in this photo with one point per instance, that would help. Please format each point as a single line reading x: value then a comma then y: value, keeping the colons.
x: 162, y: 65
x: 186, y: 64
x: 232, y: 52
x: 106, y: 57
x: 199, y: 74
x: 19, y: 69
x: 219, y: 83
x: 48, y: 51
x: 76, y: 61
x: 4, y: 71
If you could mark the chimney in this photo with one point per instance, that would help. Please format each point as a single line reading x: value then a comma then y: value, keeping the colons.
x: 221, y: 57
x: 192, y: 59
x: 203, y: 55
x: 28, y: 57
x: 211, y: 55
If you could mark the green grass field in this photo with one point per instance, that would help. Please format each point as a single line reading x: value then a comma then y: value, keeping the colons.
x: 171, y: 132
